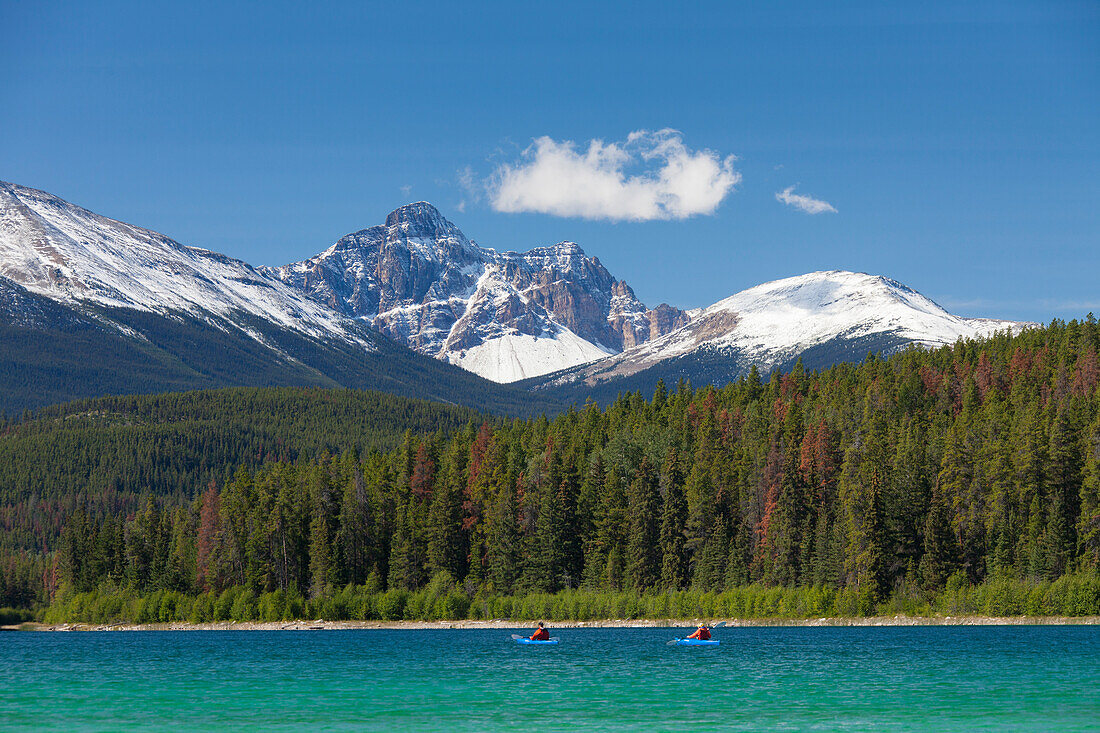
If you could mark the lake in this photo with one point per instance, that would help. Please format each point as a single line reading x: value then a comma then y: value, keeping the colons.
x: 789, y: 678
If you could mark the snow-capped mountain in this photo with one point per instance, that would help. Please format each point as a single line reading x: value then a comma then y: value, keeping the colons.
x: 69, y: 254
x: 92, y: 306
x: 823, y: 317
x: 503, y: 315
x: 112, y: 307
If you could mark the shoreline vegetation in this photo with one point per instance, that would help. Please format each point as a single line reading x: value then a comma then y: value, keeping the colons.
x: 444, y: 602
x: 504, y: 624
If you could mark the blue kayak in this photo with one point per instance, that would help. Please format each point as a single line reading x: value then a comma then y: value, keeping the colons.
x: 532, y: 641
x: 697, y: 642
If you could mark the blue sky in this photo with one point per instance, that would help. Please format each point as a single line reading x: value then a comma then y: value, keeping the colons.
x: 958, y: 142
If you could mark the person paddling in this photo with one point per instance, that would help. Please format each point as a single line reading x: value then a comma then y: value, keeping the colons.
x: 541, y: 634
x: 702, y: 633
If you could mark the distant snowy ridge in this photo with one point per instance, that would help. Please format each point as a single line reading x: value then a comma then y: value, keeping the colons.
x: 773, y: 323
x: 67, y: 253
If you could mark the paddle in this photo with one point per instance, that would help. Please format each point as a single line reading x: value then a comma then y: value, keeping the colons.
x: 517, y: 637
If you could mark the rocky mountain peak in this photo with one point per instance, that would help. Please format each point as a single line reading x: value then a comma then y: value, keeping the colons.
x: 420, y: 219
x: 506, y: 315
x: 563, y: 249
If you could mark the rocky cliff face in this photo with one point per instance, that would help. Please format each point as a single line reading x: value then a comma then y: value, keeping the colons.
x: 504, y: 315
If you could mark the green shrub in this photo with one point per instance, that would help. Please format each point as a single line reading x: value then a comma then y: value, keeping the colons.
x: 1072, y: 595
x: 13, y: 616
x: 294, y: 606
x: 223, y: 607
x: 244, y: 607
x: 202, y: 610
x: 392, y: 605
x: 454, y: 606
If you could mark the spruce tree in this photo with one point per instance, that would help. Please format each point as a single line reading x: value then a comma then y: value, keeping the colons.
x: 673, y: 516
x: 1088, y: 526
x: 643, y: 546
x: 503, y: 550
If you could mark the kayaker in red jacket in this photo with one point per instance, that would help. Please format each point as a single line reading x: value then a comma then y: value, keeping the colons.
x: 702, y: 633
x: 541, y: 634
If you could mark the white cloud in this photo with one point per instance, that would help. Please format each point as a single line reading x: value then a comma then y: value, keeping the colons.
x: 807, y: 204
x: 560, y: 179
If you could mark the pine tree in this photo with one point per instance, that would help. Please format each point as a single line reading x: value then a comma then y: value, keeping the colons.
x: 674, y: 562
x: 643, y: 548
x: 906, y: 503
x: 860, y: 492
x: 1088, y: 526
x: 503, y: 550
x: 1064, y: 489
x: 322, y: 532
x: 701, y: 495
x: 357, y: 533
x: 708, y: 572
x: 958, y: 487
x: 446, y: 546
x: 483, y: 467
x: 549, y: 566
x: 208, y: 574
x: 1030, y: 463
x: 611, y: 541
x: 786, y: 507
x: 406, y: 566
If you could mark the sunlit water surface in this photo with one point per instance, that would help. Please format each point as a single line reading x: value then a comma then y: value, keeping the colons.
x: 900, y: 678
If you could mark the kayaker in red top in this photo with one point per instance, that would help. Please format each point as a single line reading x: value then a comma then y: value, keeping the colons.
x: 702, y: 633
x: 541, y: 634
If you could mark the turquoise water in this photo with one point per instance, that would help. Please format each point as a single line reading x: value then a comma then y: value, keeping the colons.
x: 902, y: 678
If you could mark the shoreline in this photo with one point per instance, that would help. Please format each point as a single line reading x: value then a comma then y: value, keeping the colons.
x: 322, y: 625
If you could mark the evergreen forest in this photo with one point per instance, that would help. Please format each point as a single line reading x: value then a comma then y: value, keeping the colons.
x: 960, y: 479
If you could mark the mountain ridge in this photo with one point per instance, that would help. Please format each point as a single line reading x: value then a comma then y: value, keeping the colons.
x: 552, y: 318
x: 503, y: 314
x: 823, y: 317
x: 94, y: 306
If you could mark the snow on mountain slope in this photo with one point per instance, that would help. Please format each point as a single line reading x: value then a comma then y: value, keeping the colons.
x: 503, y: 315
x: 515, y: 356
x: 780, y: 318
x: 67, y: 253
x: 773, y: 323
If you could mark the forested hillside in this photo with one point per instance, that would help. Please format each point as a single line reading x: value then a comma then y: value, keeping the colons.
x: 103, y: 455
x: 891, y: 476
